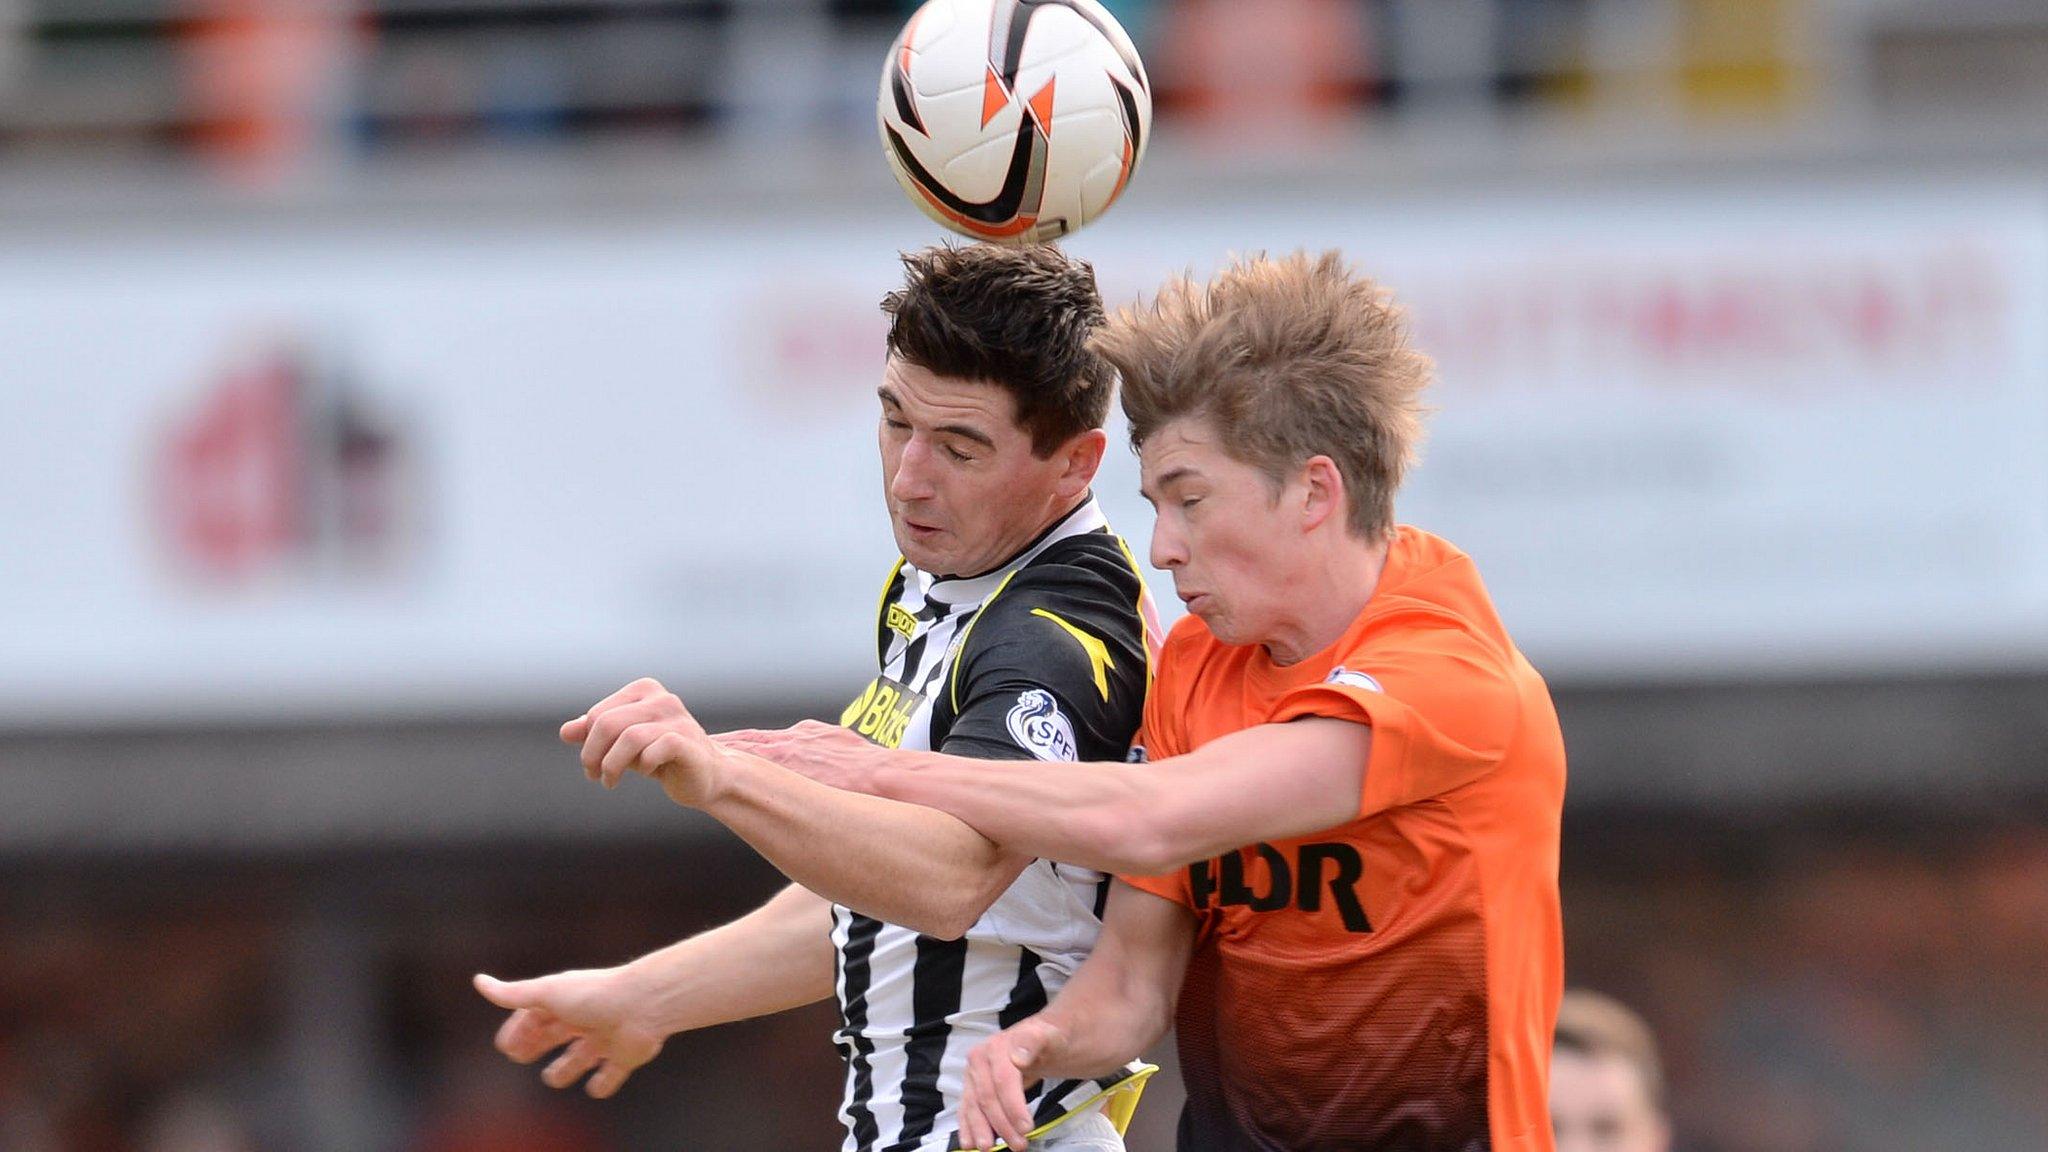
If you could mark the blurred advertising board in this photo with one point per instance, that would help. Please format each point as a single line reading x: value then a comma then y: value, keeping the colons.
x: 336, y: 468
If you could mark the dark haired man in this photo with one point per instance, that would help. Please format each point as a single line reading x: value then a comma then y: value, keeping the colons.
x: 1015, y: 627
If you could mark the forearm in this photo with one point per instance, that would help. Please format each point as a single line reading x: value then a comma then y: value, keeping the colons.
x: 898, y: 862
x: 1105, y: 1019
x: 775, y: 958
x: 1261, y: 784
x: 1122, y: 999
x: 1083, y: 814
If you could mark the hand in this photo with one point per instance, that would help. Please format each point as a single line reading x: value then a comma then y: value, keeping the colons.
x: 644, y: 728
x: 998, y: 1070
x: 590, y: 1011
x: 827, y: 753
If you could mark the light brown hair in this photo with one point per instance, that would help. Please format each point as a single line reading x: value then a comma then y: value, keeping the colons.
x: 1286, y: 359
x: 1596, y: 1025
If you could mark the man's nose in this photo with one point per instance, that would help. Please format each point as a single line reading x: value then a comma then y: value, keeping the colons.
x: 1169, y: 551
x: 913, y: 472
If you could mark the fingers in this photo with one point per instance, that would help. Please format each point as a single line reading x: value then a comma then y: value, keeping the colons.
x: 578, y: 730
x: 583, y: 1056
x: 768, y: 743
x: 607, y: 1079
x: 575, y: 730
x: 534, y: 1029
x: 531, y: 1031
x: 668, y: 749
x: 1010, y: 1097
x: 743, y: 739
x: 995, y: 1085
x: 507, y: 993
x: 607, y: 754
x: 1011, y: 1115
x: 608, y: 725
x: 663, y: 747
x: 529, y: 1034
x: 975, y: 1129
x: 817, y: 731
x: 628, y: 752
x: 975, y: 1133
x: 578, y: 1058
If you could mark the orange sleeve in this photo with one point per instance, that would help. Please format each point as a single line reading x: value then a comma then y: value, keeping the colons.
x: 1441, y: 703
x: 1172, y: 886
x: 1160, y: 736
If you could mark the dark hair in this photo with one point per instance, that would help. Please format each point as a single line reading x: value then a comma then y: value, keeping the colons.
x: 1021, y: 318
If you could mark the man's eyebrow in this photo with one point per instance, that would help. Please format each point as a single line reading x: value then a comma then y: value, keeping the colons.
x: 964, y: 431
x: 967, y: 433
x: 1166, y: 479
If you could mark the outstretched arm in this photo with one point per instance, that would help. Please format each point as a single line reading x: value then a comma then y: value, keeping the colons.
x: 891, y: 860
x: 1118, y: 1004
x: 1264, y: 783
x: 1437, y: 712
x: 613, y: 1020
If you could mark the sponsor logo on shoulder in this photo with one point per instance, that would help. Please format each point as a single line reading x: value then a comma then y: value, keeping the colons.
x: 1038, y: 726
x: 1343, y: 675
x: 901, y: 621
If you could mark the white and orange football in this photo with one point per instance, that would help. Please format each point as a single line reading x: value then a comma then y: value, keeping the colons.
x: 1014, y: 121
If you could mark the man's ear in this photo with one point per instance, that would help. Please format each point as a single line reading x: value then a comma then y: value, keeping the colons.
x: 1080, y: 457
x: 1323, y: 494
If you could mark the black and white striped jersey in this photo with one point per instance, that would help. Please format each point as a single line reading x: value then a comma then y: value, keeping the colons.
x: 1047, y: 657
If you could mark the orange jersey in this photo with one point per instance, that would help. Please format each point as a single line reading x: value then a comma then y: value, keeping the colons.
x: 1390, y: 983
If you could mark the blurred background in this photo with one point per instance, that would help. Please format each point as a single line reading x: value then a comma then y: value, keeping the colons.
x: 385, y: 380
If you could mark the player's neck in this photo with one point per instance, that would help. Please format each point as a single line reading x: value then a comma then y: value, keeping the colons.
x: 1025, y: 542
x: 1329, y: 597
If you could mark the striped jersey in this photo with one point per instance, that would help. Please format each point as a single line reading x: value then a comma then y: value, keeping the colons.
x: 1047, y: 658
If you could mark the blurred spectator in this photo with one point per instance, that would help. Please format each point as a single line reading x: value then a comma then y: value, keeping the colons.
x: 1744, y: 57
x: 1540, y: 51
x: 1606, y: 1082
x: 264, y: 80
x: 1291, y: 71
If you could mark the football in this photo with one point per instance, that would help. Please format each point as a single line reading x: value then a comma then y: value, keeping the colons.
x: 1015, y: 121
